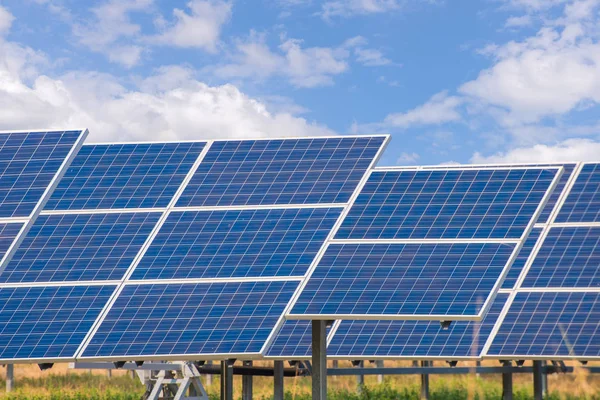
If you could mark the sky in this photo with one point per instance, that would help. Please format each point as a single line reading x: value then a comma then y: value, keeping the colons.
x: 452, y: 81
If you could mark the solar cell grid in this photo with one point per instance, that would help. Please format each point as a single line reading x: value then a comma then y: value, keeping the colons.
x: 28, y: 164
x: 8, y: 233
x: 294, y: 340
x: 583, y: 202
x: 39, y: 323
x: 550, y: 324
x: 237, y: 243
x: 402, y: 280
x: 438, y: 204
x: 569, y: 257
x: 125, y: 176
x: 291, y: 171
x: 79, y: 247
x: 414, y: 339
x: 517, y: 266
x: 190, y: 319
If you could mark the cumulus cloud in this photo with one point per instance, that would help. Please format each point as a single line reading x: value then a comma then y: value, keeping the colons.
x: 441, y: 108
x: 6, y: 19
x: 348, y: 8
x: 198, y: 28
x: 568, y: 150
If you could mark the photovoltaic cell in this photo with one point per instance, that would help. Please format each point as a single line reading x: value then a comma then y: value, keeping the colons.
x: 125, y: 176
x: 237, y: 243
x: 560, y: 186
x: 447, y: 204
x: 414, y: 339
x: 517, y: 266
x: 290, y: 171
x: 46, y: 322
x: 583, y: 202
x: 8, y: 233
x: 28, y: 163
x: 569, y: 257
x: 191, y: 319
x: 403, y: 279
x: 293, y: 340
x: 79, y: 247
x: 550, y: 324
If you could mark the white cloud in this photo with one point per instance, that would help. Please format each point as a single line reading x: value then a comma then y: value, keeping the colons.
x: 6, y: 19
x: 440, y: 109
x: 568, y: 150
x: 200, y: 28
x: 112, y: 33
x: 518, y: 22
x: 407, y: 158
x: 371, y: 57
x: 348, y: 8
x: 303, y: 66
x: 170, y: 104
x: 547, y: 75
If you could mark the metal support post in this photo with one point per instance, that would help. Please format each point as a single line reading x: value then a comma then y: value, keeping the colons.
x: 507, y: 383
x: 360, y: 379
x: 227, y: 380
x: 10, y: 377
x: 544, y: 379
x: 319, y: 360
x: 538, y: 380
x: 109, y: 373
x: 379, y: 364
x: 424, y: 382
x: 278, y: 392
x: 208, y: 377
x: 247, y: 383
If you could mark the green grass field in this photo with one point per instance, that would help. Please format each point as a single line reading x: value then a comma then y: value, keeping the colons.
x: 60, y: 383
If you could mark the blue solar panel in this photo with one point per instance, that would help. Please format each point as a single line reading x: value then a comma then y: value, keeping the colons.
x: 550, y: 324
x: 403, y: 279
x: 238, y: 243
x: 45, y: 322
x: 569, y: 257
x: 79, y: 247
x: 483, y: 204
x: 517, y: 266
x: 414, y: 339
x: 560, y: 186
x: 294, y: 340
x: 28, y: 164
x: 191, y: 319
x: 125, y: 176
x: 8, y: 233
x: 583, y: 202
x: 290, y: 171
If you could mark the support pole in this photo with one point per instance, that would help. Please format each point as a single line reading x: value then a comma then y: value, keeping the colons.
x: 538, y: 381
x: 319, y: 360
x: 109, y: 373
x: 379, y: 364
x: 247, y: 383
x: 424, y: 382
x: 360, y: 379
x: 208, y: 377
x: 278, y: 392
x: 10, y: 377
x: 507, y: 383
x: 544, y: 379
x: 227, y: 380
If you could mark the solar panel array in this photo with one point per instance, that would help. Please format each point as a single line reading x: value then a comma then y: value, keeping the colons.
x: 197, y: 250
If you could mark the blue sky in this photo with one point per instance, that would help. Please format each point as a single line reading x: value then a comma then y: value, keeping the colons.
x: 451, y: 81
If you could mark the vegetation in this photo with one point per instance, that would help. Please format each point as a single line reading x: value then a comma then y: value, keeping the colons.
x: 61, y: 383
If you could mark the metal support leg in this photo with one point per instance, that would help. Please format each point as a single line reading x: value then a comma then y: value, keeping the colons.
x: 247, y: 383
x: 208, y: 377
x: 278, y: 392
x: 360, y: 379
x: 507, y: 383
x: 538, y: 381
x: 544, y: 380
x: 319, y: 360
x: 227, y: 380
x: 109, y: 373
x: 379, y: 364
x: 424, y: 382
x: 10, y: 377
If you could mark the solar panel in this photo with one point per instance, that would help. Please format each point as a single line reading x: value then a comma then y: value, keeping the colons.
x: 237, y: 243
x: 108, y: 176
x: 583, y: 201
x: 413, y: 339
x: 517, y: 266
x: 402, y: 280
x: 29, y: 163
x: 190, y: 320
x: 79, y: 247
x: 44, y: 323
x: 8, y: 233
x: 288, y: 171
x: 550, y: 324
x: 447, y: 204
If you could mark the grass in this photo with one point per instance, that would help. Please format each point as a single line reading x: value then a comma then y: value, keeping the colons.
x: 60, y: 383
